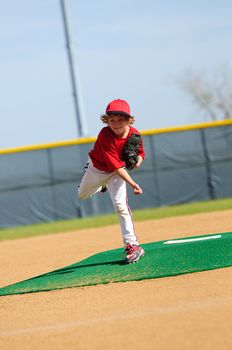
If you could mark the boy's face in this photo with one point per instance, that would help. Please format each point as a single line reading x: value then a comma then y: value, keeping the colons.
x: 118, y: 124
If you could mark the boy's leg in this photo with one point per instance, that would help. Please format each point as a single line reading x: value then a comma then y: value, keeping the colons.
x: 118, y: 193
x: 91, y: 182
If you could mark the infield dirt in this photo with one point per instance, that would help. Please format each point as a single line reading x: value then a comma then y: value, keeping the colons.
x: 191, y: 311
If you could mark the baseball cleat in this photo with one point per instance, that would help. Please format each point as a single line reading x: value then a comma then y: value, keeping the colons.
x: 132, y: 253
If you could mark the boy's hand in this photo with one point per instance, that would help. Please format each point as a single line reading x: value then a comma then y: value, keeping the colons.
x: 137, y: 189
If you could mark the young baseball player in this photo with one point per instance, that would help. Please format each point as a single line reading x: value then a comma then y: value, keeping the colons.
x: 105, y: 170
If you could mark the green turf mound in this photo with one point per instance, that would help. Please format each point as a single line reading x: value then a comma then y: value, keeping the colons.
x: 162, y: 259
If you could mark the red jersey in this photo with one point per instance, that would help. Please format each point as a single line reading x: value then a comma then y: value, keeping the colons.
x: 107, y: 152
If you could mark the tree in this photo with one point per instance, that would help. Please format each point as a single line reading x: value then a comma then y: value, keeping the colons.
x: 212, y: 94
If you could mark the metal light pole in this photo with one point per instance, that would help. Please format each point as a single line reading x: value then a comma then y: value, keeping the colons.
x: 78, y: 105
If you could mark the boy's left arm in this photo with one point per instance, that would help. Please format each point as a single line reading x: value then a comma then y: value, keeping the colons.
x: 126, y: 177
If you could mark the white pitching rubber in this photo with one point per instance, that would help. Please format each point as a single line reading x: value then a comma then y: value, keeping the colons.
x: 186, y: 240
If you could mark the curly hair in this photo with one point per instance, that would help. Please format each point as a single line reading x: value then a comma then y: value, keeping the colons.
x: 104, y: 118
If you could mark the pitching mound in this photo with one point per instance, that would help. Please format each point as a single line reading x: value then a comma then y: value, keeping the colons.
x: 162, y: 259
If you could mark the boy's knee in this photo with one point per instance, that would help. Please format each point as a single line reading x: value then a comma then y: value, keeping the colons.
x: 121, y: 208
x: 80, y: 194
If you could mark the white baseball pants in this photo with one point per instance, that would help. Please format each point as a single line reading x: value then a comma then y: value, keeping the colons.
x: 92, y: 182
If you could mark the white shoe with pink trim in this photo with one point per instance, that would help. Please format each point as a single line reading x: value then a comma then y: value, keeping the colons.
x: 132, y: 253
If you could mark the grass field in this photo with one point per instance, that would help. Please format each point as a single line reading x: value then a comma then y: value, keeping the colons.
x: 106, y: 220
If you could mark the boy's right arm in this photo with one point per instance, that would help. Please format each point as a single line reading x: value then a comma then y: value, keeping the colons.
x: 125, y: 176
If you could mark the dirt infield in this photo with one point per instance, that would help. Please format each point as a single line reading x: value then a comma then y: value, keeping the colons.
x: 191, y: 311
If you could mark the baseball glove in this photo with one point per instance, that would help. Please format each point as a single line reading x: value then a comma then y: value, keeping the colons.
x: 131, y: 151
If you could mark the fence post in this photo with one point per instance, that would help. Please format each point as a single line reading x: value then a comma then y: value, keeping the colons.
x: 52, y: 182
x: 207, y: 165
x: 155, y: 170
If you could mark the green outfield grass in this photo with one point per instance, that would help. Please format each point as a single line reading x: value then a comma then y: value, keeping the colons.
x: 100, y: 221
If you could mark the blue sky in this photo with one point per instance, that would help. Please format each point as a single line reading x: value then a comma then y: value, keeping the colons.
x: 135, y: 50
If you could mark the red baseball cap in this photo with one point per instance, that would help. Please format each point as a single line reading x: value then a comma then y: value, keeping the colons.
x: 118, y: 107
